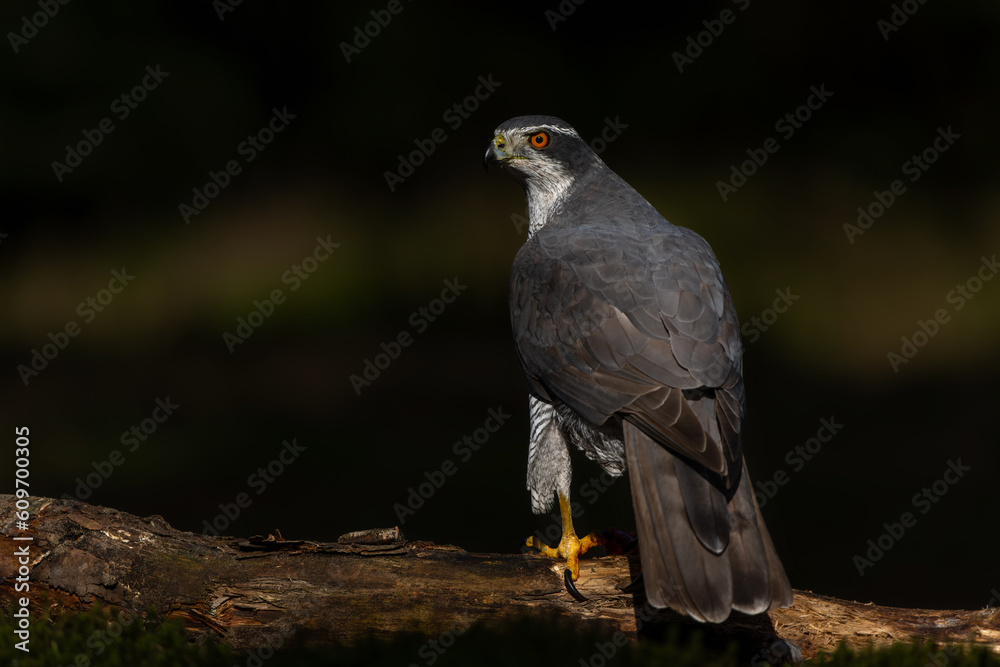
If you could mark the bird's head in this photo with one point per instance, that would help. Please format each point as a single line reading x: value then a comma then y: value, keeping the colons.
x: 541, y: 152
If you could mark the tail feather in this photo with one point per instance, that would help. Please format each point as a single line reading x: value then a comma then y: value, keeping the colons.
x: 705, y: 505
x: 682, y: 519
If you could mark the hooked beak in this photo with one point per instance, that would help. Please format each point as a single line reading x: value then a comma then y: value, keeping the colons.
x: 496, y: 153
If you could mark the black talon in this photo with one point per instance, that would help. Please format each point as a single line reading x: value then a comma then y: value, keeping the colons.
x: 571, y: 587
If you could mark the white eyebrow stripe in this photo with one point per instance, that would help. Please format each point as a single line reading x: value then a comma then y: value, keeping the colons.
x: 568, y: 131
x: 531, y: 129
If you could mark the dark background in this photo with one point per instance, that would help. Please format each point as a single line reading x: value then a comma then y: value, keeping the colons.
x: 324, y: 176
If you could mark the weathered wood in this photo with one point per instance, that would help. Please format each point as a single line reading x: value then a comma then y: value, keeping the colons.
x: 258, y: 592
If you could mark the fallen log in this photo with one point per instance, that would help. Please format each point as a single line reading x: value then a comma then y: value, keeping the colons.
x: 259, y: 592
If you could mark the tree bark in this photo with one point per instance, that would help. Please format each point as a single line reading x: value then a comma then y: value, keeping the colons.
x: 269, y: 591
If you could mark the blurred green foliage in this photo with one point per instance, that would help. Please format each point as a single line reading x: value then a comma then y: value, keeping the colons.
x: 100, y: 637
x: 324, y: 176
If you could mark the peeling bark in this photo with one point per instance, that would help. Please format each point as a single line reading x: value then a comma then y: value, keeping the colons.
x: 270, y: 591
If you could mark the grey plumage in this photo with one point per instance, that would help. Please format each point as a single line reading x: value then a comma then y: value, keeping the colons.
x: 629, y: 339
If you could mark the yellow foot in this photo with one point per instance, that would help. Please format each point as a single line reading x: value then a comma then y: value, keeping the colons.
x: 570, y: 548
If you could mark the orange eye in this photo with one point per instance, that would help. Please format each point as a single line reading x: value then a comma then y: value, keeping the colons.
x: 540, y: 139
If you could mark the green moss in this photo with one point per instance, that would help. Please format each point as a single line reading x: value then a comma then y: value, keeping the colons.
x: 918, y: 654
x: 98, y: 638
x: 531, y: 640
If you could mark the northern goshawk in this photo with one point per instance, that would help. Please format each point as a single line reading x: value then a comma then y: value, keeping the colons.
x: 629, y: 338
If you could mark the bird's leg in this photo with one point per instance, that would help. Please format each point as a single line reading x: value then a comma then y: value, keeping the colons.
x: 570, y: 546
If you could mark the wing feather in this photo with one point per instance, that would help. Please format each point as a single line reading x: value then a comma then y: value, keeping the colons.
x: 605, y: 332
x: 617, y: 313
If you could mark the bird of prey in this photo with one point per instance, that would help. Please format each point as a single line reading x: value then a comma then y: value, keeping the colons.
x: 627, y: 333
